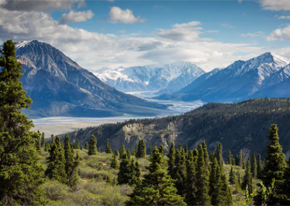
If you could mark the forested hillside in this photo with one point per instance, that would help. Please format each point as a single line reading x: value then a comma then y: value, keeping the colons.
x: 237, y: 126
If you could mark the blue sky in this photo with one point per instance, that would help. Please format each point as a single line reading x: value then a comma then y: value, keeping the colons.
x: 125, y: 33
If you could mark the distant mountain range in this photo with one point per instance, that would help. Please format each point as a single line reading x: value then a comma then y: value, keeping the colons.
x: 58, y: 86
x: 264, y: 76
x: 167, y: 78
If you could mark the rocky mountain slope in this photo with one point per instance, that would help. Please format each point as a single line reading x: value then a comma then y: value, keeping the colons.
x: 60, y: 87
x: 169, y: 77
x: 239, y: 81
x: 239, y: 126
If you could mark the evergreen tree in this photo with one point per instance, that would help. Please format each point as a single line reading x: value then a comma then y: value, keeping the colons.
x: 230, y: 158
x: 125, y: 171
x: 46, y: 146
x: 254, y: 166
x: 232, y: 178
x: 42, y: 140
x: 215, y: 183
x: 259, y: 167
x: 219, y: 154
x: 238, y: 181
x: 191, y: 187
x: 161, y: 149
x: 108, y: 147
x: 38, y: 141
x: 186, y: 149
x: 180, y: 171
x: 171, y: 160
x: 141, y: 152
x: 128, y: 155
x: 78, y: 144
x: 248, y: 179
x: 274, y: 168
x: 116, y: 153
x: 202, y: 179
x: 123, y: 153
x: 92, y: 146
x: 206, y: 158
x: 226, y: 193
x: 56, y: 162
x: 71, y: 163
x: 157, y: 188
x: 20, y: 171
x: 114, y: 163
x: 136, y: 173
x: 86, y: 145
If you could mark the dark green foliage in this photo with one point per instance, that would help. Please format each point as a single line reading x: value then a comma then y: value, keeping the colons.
x: 171, y: 160
x: 232, y: 178
x: 71, y: 163
x: 56, y: 162
x: 92, y: 146
x: 226, y: 193
x: 219, y: 154
x: 161, y: 149
x: 38, y: 141
x: 20, y: 173
x: 108, y: 147
x: 179, y: 171
x: 259, y: 167
x: 116, y: 153
x: 46, y: 146
x: 215, y: 183
x: 254, y: 166
x: 43, y: 140
x: 125, y: 172
x: 186, y: 149
x: 205, y: 153
x: 128, y: 154
x: 157, y: 188
x: 202, y: 179
x: 141, y: 152
x: 248, y: 178
x: 86, y: 145
x: 239, y: 180
x: 190, y: 184
x: 136, y: 173
x: 274, y: 168
x: 114, y: 163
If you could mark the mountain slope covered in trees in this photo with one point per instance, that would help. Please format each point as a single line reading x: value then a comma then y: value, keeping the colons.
x: 60, y: 87
x: 239, y: 126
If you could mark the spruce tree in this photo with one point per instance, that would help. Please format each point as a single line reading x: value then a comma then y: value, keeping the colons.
x: 86, y: 145
x: 123, y: 153
x: 56, y: 162
x: 232, y: 176
x: 38, y: 141
x: 248, y: 178
x: 180, y: 171
x: 259, y: 167
x: 226, y: 193
x: 171, y: 160
x: 141, y: 152
x: 161, y: 149
x: 157, y: 188
x: 108, y: 147
x: 215, y: 183
x: 42, y: 140
x: 20, y: 171
x: 114, y: 163
x: 219, y: 154
x: 191, y: 187
x: 274, y: 168
x: 71, y: 163
x: 202, y: 179
x: 239, y: 179
x: 128, y: 154
x: 125, y: 171
x: 136, y: 173
x: 254, y: 166
x: 206, y: 157
x: 92, y: 146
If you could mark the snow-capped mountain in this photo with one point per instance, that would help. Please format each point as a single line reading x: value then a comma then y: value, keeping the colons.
x: 171, y: 77
x: 58, y: 86
x: 238, y: 81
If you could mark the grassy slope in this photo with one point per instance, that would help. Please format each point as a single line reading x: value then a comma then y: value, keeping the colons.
x: 93, y: 187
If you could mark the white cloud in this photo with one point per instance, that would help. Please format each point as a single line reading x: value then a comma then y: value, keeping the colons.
x: 284, y: 17
x: 40, y: 5
x: 94, y: 50
x: 228, y: 26
x: 123, y: 16
x: 182, y: 32
x: 259, y: 33
x: 74, y: 17
x: 279, y: 34
x: 275, y: 5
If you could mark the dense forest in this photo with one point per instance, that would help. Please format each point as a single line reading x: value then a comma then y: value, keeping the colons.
x: 64, y: 171
x: 238, y: 126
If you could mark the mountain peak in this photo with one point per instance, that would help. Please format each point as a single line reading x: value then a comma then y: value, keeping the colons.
x: 270, y: 57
